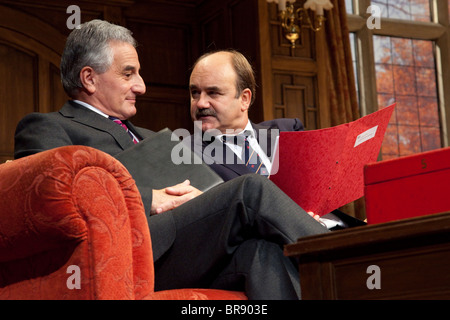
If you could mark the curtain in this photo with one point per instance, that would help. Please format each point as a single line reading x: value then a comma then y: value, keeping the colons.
x: 341, y: 80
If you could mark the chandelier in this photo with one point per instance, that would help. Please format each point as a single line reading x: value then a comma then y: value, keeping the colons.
x: 293, y: 20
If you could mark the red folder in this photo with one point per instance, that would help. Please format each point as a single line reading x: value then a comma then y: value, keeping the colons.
x: 322, y: 170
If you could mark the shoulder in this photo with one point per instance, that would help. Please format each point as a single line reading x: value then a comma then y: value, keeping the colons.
x: 37, y: 119
x: 65, y: 113
x: 284, y: 124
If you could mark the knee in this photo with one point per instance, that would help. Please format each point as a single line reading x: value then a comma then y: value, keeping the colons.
x: 253, y: 181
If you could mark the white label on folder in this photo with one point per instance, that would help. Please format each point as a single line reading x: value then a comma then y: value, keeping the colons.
x: 366, y: 135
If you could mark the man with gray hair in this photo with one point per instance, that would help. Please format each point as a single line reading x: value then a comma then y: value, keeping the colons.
x: 225, y: 238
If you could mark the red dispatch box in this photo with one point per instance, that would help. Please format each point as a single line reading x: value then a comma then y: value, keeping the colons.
x: 408, y: 187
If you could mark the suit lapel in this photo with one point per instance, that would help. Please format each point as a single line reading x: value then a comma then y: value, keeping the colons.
x: 87, y: 117
x: 207, y: 146
x: 133, y: 129
x: 240, y: 169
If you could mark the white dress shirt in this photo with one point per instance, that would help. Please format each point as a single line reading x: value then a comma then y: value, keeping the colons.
x: 92, y: 108
x: 237, y: 149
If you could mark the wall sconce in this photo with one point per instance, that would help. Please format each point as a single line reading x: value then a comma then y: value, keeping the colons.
x: 292, y: 21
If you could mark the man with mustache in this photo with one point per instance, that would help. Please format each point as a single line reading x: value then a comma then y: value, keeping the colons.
x: 225, y: 238
x: 222, y: 87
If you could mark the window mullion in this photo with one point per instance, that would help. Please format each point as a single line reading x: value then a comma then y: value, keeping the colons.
x: 410, y: 29
x: 367, y: 75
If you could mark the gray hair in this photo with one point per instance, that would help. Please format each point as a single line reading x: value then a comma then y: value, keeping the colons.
x: 88, y: 45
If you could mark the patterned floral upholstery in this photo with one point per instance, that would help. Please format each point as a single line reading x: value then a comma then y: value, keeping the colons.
x: 77, y: 206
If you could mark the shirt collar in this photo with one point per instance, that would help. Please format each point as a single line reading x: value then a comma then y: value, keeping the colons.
x: 90, y: 107
x: 248, y: 132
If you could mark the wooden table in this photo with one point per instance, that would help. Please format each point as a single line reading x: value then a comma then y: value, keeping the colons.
x: 407, y: 259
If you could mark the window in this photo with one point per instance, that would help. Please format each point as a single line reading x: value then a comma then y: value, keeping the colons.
x: 416, y: 10
x: 405, y: 61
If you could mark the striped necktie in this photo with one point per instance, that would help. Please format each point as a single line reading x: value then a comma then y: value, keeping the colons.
x: 123, y: 125
x: 252, y: 160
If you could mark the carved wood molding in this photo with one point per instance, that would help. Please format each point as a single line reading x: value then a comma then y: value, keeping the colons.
x: 33, y: 28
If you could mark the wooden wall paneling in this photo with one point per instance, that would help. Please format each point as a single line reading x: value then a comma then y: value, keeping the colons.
x: 229, y: 24
x: 42, y: 84
x: 164, y: 107
x: 303, y: 66
x: 279, y: 105
x: 34, y: 28
x: 294, y: 98
x: 215, y: 33
x: 243, y: 16
x: 296, y: 74
x: 29, y: 48
x: 265, y: 65
x: 246, y: 38
x: 50, y: 93
x: 113, y: 14
x: 57, y: 94
x: 234, y: 24
x: 18, y: 92
x: 164, y: 51
x: 53, y: 12
x: 213, y: 24
x: 165, y: 32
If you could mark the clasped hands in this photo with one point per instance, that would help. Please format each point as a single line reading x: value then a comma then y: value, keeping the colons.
x: 171, y: 197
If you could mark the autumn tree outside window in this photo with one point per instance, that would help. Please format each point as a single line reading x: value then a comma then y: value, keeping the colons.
x: 405, y: 60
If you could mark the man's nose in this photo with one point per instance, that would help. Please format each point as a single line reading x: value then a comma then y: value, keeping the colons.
x: 139, y: 87
x: 203, y: 101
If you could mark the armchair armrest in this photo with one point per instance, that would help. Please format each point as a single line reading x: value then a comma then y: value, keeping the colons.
x: 80, y: 197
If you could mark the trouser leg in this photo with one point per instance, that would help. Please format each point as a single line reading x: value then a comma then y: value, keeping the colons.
x: 211, y: 227
x: 248, y: 271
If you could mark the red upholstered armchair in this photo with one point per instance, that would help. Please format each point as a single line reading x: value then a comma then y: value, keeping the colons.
x: 72, y: 226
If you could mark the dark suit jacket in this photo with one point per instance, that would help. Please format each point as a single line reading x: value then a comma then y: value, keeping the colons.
x: 77, y: 125
x: 230, y: 171
x: 72, y: 125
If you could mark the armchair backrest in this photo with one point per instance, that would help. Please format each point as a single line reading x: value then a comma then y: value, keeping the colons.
x: 72, y: 226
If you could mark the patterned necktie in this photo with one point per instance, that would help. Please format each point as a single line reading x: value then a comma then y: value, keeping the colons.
x: 253, y: 160
x: 123, y: 125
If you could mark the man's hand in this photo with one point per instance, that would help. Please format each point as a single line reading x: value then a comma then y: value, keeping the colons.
x: 172, y: 197
x: 315, y: 216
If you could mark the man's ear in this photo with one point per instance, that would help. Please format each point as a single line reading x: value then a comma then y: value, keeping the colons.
x: 246, y: 98
x: 88, y: 79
